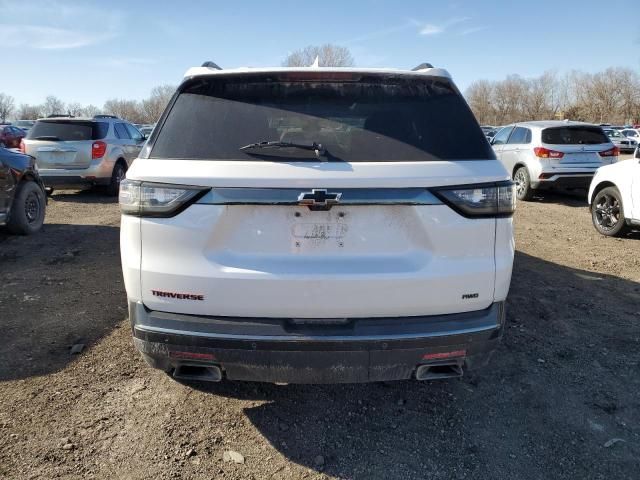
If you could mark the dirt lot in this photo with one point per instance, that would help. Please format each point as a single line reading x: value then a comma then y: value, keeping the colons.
x: 560, y: 400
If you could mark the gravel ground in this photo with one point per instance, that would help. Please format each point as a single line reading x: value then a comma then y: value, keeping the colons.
x: 560, y: 399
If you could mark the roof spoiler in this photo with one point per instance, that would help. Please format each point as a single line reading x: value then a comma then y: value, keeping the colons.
x: 210, y: 64
x: 422, y: 66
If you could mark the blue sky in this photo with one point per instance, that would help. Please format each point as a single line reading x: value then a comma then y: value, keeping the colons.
x: 89, y: 51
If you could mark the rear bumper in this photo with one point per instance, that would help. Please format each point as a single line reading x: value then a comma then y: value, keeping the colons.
x: 73, y: 181
x: 98, y: 173
x: 564, y: 180
x: 294, y: 351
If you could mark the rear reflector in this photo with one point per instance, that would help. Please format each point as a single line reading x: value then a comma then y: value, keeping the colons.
x: 441, y: 355
x: 542, y: 152
x: 98, y: 149
x: 192, y: 355
x: 612, y: 152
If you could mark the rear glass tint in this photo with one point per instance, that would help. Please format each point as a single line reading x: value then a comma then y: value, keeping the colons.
x: 381, y: 118
x: 582, y: 135
x: 68, y: 130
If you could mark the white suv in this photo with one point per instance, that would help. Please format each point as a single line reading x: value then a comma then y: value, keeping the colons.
x: 547, y: 154
x: 313, y: 225
x: 614, y: 197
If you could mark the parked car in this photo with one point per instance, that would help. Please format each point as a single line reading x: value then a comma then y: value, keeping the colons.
x: 614, y: 197
x: 81, y: 152
x: 25, y: 124
x: 22, y: 197
x: 146, y: 130
x: 552, y: 154
x: 632, y: 133
x: 312, y: 225
x: 489, y: 132
x: 625, y: 144
x: 10, y: 136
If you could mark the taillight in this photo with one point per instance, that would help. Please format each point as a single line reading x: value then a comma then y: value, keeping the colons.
x: 98, y: 149
x: 144, y: 199
x: 485, y: 200
x: 542, y: 152
x: 612, y: 152
x: 22, y: 147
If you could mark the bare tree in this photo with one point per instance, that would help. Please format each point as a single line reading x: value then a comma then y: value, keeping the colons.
x: 52, y: 105
x: 90, y: 111
x: 6, y: 106
x: 479, y: 95
x: 75, y: 109
x: 328, y: 56
x: 126, y: 109
x: 28, y: 112
x: 612, y: 95
x: 153, y: 106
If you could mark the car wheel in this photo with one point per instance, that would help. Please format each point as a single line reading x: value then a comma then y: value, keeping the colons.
x: 27, y: 210
x: 607, y: 212
x: 119, y: 172
x: 2, y: 144
x: 523, y: 184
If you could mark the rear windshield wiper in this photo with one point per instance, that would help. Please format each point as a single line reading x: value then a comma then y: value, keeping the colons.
x: 47, y: 137
x: 313, y: 147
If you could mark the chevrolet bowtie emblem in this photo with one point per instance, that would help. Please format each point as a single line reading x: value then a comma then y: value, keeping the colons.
x: 319, y: 199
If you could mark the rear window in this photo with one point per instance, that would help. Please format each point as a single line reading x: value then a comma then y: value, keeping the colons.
x: 582, y: 135
x: 369, y: 118
x: 68, y: 130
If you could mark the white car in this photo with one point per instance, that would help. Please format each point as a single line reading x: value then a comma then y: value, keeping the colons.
x: 552, y: 154
x: 312, y: 225
x: 614, y: 197
x: 632, y: 133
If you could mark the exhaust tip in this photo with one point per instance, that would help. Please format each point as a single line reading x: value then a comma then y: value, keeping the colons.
x: 200, y: 373
x: 438, y: 372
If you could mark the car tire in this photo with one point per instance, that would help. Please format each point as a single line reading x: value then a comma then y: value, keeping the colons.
x: 607, y: 212
x: 523, y: 184
x: 27, y: 210
x: 2, y: 144
x: 118, y: 174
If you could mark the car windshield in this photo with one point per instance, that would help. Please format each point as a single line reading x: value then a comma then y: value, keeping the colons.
x: 68, y: 130
x: 361, y: 118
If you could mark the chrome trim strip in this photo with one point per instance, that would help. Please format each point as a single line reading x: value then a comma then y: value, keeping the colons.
x: 318, y: 338
x: 290, y: 196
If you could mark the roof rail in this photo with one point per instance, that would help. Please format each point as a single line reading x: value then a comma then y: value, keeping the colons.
x: 101, y: 115
x: 210, y: 64
x: 422, y: 66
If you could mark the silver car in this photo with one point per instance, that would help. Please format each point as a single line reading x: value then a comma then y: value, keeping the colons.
x: 82, y: 152
x: 546, y: 154
x: 632, y: 133
x: 624, y: 143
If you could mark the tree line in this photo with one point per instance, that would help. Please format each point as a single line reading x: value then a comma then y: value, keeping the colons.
x: 611, y: 96
x: 147, y: 110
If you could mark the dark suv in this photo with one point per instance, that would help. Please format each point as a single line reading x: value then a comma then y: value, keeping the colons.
x: 22, y: 196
